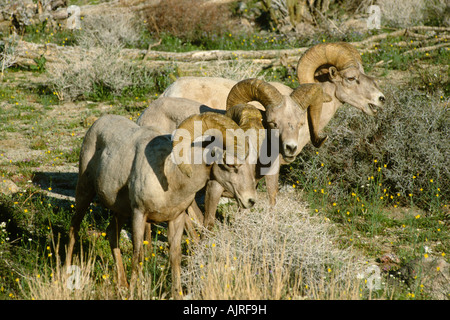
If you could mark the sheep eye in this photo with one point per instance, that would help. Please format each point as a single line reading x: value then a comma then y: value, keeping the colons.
x: 351, y: 79
x: 232, y: 166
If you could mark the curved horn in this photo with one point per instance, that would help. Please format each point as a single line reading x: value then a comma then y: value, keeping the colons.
x: 254, y: 90
x: 341, y: 55
x: 208, y: 120
x: 310, y: 97
x: 248, y: 117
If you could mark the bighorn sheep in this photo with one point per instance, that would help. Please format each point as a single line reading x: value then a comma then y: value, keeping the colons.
x: 282, y: 111
x: 160, y: 114
x: 166, y: 113
x: 336, y: 67
x: 133, y: 171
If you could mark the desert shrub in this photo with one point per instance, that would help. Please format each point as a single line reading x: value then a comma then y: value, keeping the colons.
x: 188, y: 20
x: 112, y: 30
x: 406, y: 13
x: 278, y: 252
x: 403, y: 13
x: 8, y: 55
x: 405, y: 150
x: 105, y: 75
x: 235, y: 70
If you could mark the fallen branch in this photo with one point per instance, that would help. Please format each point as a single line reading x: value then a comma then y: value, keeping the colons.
x: 430, y: 48
x: 401, y: 32
x: 209, y: 55
x: 27, y: 52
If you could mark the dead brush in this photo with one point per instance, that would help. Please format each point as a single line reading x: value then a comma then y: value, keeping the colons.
x: 187, y: 19
x: 277, y: 252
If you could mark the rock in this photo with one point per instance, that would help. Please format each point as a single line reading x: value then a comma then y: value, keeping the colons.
x: 355, y: 25
x: 8, y: 187
x: 389, y: 262
x: 304, y: 29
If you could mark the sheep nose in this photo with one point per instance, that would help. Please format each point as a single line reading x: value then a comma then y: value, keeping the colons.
x: 382, y: 99
x: 251, y: 202
x: 291, y: 148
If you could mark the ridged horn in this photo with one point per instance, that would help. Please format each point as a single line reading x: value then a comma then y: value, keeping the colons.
x: 310, y: 97
x: 248, y: 117
x: 209, y: 120
x: 342, y: 55
x: 254, y: 90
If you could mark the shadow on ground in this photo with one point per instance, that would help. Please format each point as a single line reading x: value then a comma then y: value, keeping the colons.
x: 60, y: 183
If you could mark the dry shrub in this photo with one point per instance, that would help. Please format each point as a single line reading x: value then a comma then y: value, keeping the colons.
x: 188, y: 19
x: 110, y: 30
x: 235, y: 70
x: 102, y: 75
x: 406, y: 13
x: 271, y: 253
x: 410, y: 139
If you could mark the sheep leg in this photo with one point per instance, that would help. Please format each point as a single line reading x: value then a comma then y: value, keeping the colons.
x: 148, y: 236
x: 175, y: 233
x: 272, y: 187
x: 214, y: 192
x: 138, y: 225
x: 195, y: 212
x: 190, y: 227
x: 113, y: 233
x: 83, y: 199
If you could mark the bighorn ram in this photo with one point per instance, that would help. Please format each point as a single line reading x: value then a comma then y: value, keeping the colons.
x: 336, y: 67
x: 166, y: 113
x: 160, y: 114
x: 281, y: 107
x: 137, y: 173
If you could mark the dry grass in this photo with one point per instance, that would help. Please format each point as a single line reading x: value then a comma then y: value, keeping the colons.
x: 271, y: 253
x: 235, y: 70
x: 263, y: 253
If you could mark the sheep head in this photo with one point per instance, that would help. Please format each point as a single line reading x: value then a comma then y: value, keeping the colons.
x: 340, y: 63
x: 224, y: 146
x: 249, y: 119
x: 281, y: 112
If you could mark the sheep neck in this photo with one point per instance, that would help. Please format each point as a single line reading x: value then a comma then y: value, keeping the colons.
x: 181, y: 183
x: 329, y: 109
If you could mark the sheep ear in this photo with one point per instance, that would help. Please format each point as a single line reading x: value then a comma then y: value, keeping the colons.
x: 186, y: 169
x: 334, y: 73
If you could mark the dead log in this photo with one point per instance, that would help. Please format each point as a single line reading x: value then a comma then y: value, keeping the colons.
x: 28, y: 51
x: 429, y: 48
x: 209, y: 55
x: 401, y: 32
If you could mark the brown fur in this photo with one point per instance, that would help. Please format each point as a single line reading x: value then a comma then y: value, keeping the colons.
x: 130, y: 169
